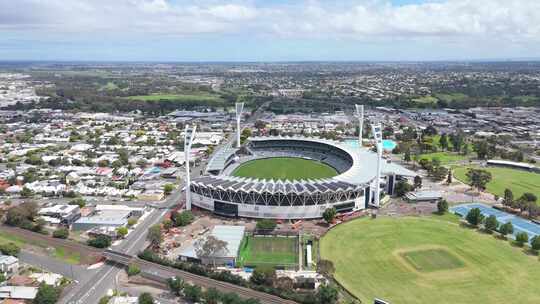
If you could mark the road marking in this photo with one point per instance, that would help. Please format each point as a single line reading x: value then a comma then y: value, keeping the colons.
x: 84, y: 296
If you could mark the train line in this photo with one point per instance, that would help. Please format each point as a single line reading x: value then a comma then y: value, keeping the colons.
x: 161, y: 273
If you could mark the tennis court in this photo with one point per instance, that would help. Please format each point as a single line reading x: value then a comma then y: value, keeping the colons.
x: 520, y: 224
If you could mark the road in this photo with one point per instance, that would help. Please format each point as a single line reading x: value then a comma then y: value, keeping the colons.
x: 89, y: 291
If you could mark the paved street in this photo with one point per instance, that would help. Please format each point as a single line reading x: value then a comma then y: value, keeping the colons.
x: 96, y: 285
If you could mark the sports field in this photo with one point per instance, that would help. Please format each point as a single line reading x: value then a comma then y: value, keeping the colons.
x: 269, y: 251
x: 519, y: 181
x: 429, y: 260
x: 283, y: 168
x: 199, y: 97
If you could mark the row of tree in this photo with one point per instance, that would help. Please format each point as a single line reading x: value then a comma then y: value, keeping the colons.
x: 490, y: 224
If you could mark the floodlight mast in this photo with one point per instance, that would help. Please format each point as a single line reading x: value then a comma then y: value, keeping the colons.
x: 360, y: 115
x: 377, y: 135
x: 239, y: 108
x: 189, y: 134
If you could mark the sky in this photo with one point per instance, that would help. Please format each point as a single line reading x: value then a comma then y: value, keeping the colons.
x: 269, y: 30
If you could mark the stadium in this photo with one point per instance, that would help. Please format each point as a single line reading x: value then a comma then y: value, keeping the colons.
x: 291, y: 178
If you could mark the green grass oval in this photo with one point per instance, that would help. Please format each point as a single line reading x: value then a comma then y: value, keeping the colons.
x: 476, y: 268
x: 285, y: 168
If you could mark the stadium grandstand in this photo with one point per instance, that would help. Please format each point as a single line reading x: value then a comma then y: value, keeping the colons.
x: 351, y: 189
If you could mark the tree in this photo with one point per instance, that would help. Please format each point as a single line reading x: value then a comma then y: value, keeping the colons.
x: 522, y: 238
x: 211, y: 296
x: 407, y: 156
x: 168, y: 188
x: 535, y: 243
x: 61, y: 233
x: 122, y: 231
x: 266, y: 224
x: 167, y: 224
x: 442, y: 206
x: 132, y: 221
x: 443, y: 141
x: 402, y: 187
x: 508, y: 198
x: 183, y: 218
x: 478, y: 178
x: 329, y: 214
x: 123, y: 156
x: 417, y: 182
x: 481, y: 148
x: 10, y: 249
x: 326, y: 267
x: 22, y: 215
x: 263, y: 275
x: 145, y: 298
x: 506, y: 228
x: 100, y: 241
x: 210, y: 247
x: 429, y: 131
x: 491, y: 223
x: 284, y: 283
x: 176, y: 285
x: 327, y: 294
x: 81, y: 202
x: 474, y: 217
x: 154, y: 235
x: 133, y: 269
x: 46, y: 294
x: 26, y: 192
x: 449, y: 177
x: 192, y: 293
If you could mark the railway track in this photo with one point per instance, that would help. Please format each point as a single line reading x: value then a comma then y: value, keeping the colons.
x: 46, y: 240
x: 161, y: 273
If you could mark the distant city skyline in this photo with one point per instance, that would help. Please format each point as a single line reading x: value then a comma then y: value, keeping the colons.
x: 258, y: 30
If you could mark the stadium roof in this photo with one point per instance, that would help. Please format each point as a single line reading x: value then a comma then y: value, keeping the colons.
x: 220, y: 157
x: 360, y: 173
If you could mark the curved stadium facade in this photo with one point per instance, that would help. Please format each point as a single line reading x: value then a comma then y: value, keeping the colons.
x: 228, y: 195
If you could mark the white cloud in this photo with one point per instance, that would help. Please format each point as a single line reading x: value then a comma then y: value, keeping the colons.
x: 512, y: 20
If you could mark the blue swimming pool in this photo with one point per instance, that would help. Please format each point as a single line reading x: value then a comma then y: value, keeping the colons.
x: 520, y: 224
x: 388, y: 144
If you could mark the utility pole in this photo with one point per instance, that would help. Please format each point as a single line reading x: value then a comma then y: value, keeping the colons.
x: 189, y: 134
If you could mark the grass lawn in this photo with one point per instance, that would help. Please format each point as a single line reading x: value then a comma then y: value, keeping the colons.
x: 428, y: 260
x: 269, y: 251
x: 58, y: 253
x: 519, y: 181
x: 290, y: 168
x: 426, y: 99
x: 475, y: 268
x: 195, y: 97
x: 445, y: 157
x: 451, y: 97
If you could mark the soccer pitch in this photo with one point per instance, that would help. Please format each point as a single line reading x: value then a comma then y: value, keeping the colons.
x: 284, y: 168
x: 429, y: 260
x: 269, y: 251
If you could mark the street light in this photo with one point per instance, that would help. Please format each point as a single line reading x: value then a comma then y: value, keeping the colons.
x: 377, y: 135
x: 189, y: 134
x: 360, y: 116
x: 239, y: 108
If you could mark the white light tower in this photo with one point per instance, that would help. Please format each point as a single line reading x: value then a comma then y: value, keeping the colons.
x: 239, y: 108
x: 189, y: 134
x: 360, y: 115
x: 377, y: 135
